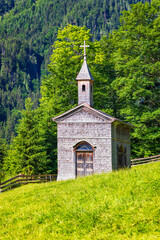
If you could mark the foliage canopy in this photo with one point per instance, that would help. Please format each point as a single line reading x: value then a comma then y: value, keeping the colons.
x: 126, y: 69
x: 28, y: 28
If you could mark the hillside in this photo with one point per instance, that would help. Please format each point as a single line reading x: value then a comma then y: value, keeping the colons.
x: 120, y: 205
x: 27, y: 31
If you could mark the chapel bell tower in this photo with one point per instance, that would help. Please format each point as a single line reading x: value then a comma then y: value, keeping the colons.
x: 85, y: 82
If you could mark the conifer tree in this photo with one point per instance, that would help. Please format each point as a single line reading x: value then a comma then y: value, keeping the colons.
x: 27, y: 153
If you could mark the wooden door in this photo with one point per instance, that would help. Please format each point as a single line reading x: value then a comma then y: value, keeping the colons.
x: 84, y: 163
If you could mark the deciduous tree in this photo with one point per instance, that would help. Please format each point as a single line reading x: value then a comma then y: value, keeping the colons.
x: 137, y: 64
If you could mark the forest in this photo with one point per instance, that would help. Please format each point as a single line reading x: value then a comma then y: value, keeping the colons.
x: 37, y: 82
x: 28, y: 29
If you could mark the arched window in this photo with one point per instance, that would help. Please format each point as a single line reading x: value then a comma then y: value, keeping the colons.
x: 83, y: 88
x: 84, y: 147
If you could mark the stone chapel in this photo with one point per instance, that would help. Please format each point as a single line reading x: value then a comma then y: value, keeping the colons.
x: 90, y: 141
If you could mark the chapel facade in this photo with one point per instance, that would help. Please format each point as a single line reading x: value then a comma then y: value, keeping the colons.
x: 88, y: 140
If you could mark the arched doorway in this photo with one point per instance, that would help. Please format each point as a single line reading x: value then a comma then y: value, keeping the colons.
x: 84, y: 159
x: 121, y: 156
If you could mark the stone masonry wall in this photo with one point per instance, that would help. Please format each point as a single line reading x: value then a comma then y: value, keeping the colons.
x: 85, y: 96
x: 98, y: 134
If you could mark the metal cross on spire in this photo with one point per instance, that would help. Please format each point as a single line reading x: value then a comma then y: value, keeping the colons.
x: 84, y: 46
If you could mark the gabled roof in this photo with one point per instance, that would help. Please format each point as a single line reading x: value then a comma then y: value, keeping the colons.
x: 101, y: 114
x: 84, y: 73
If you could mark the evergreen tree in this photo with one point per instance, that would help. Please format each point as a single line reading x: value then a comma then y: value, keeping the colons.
x: 27, y: 153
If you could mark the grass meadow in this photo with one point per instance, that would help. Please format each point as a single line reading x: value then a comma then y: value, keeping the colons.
x: 123, y: 204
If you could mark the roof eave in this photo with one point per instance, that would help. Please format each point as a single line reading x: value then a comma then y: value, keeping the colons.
x: 60, y: 117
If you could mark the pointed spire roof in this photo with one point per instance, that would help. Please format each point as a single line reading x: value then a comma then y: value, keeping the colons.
x: 84, y: 73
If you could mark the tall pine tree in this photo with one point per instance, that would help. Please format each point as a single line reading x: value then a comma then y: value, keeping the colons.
x: 27, y: 152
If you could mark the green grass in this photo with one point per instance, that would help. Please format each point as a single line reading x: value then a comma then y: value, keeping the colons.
x: 120, y: 205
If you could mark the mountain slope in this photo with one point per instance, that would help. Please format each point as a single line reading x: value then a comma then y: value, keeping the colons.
x: 28, y: 29
x: 120, y: 205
